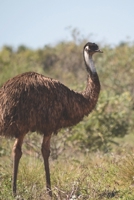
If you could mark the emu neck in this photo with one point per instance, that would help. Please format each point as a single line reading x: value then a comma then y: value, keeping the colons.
x: 92, y: 89
x: 93, y: 84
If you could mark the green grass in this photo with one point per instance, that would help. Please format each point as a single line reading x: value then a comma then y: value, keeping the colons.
x: 95, y: 177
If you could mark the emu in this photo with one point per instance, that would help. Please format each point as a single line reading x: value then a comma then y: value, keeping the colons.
x: 33, y: 102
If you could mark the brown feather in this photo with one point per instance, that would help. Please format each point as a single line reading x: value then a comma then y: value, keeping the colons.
x: 33, y: 102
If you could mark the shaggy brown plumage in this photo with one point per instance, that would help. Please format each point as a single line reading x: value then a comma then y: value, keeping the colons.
x: 33, y: 102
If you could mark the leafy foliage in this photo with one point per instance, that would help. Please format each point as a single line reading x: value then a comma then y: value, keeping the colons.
x: 105, y: 123
x: 113, y: 116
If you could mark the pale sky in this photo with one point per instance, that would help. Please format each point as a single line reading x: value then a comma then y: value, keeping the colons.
x: 36, y: 23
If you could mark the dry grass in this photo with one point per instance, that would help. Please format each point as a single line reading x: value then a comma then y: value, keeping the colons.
x: 96, y: 177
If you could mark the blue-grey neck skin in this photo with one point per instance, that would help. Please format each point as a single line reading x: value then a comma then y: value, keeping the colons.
x: 89, y: 63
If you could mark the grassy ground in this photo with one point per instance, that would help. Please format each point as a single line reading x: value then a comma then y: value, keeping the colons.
x: 95, y: 176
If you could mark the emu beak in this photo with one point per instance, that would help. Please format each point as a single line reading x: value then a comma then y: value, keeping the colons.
x: 99, y: 51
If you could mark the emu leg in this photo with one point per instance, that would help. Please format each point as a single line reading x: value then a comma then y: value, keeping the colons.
x: 16, y: 158
x: 45, y: 149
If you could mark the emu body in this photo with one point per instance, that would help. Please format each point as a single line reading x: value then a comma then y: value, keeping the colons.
x: 33, y: 102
